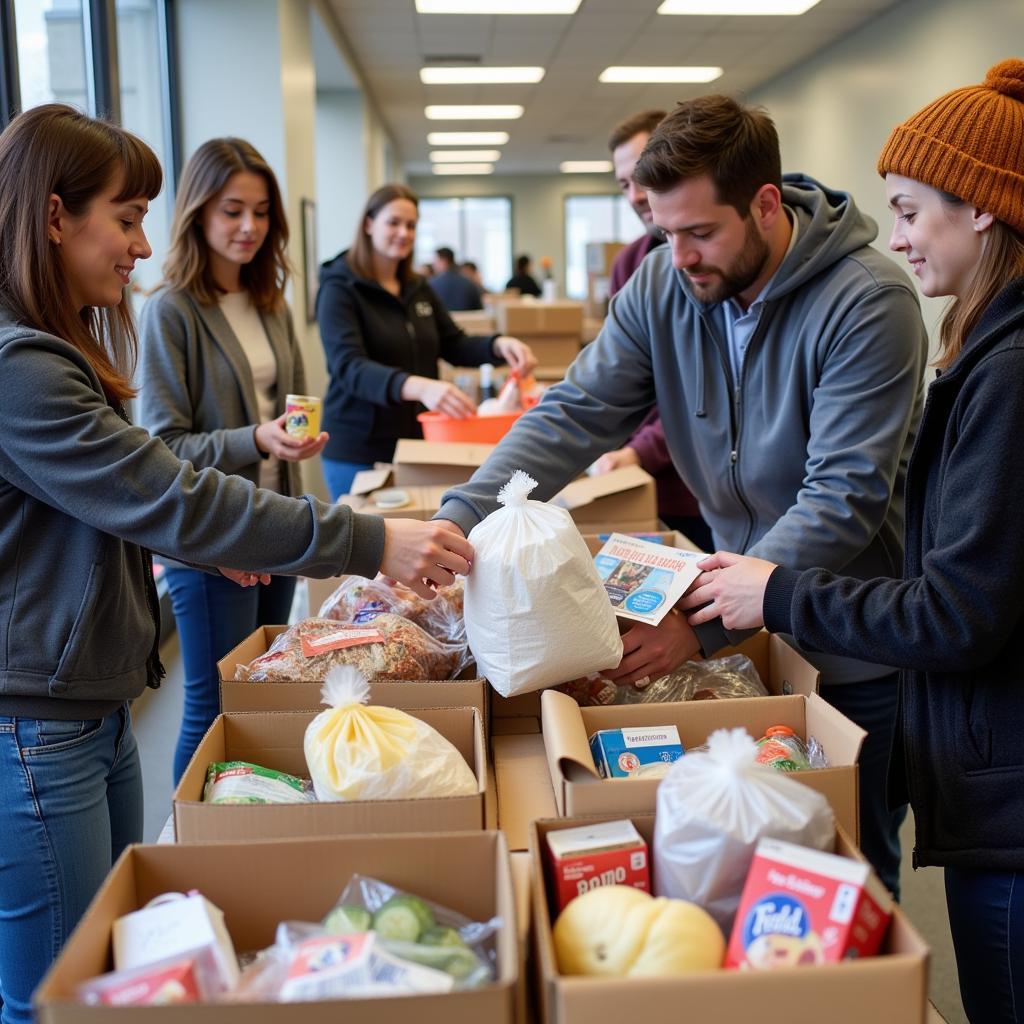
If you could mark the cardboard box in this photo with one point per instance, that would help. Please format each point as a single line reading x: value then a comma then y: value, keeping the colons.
x: 525, y: 319
x: 257, y: 885
x: 523, y: 784
x: 601, y: 256
x: 520, y: 863
x: 423, y: 501
x: 887, y: 989
x: 304, y: 695
x: 555, y: 350
x: 274, y: 740
x: 626, y: 498
x: 579, y: 789
x: 474, y: 321
x: 434, y: 463
x: 670, y: 538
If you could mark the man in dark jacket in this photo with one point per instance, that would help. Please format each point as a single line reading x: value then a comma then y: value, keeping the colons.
x: 451, y: 286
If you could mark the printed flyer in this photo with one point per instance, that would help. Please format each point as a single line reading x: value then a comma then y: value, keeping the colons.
x: 645, y: 580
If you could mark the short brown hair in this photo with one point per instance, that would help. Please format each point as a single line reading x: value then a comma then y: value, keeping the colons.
x: 49, y: 150
x: 736, y: 146
x: 187, y: 266
x: 645, y: 122
x: 360, y: 256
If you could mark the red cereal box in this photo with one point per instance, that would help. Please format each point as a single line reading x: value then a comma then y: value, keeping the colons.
x: 608, y: 853
x: 802, y: 906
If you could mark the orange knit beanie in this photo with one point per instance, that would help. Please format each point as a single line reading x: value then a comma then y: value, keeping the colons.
x: 969, y: 142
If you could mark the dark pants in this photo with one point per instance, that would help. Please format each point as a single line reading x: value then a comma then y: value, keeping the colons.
x: 871, y: 703
x: 986, y: 917
x: 213, y: 615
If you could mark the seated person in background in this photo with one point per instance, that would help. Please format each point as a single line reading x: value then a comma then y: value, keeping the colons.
x: 471, y: 271
x: 523, y: 279
x: 454, y: 289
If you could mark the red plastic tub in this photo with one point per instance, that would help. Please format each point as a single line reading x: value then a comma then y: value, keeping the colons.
x: 474, y: 429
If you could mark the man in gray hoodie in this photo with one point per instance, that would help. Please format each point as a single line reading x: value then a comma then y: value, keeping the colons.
x: 786, y: 356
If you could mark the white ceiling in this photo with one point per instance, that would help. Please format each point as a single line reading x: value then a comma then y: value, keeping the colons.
x: 569, y: 114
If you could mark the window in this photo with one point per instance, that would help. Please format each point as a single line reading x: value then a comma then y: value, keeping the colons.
x: 477, y: 229
x: 51, y: 52
x: 607, y: 218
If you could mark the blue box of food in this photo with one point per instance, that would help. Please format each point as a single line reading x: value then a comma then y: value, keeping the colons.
x: 635, y: 753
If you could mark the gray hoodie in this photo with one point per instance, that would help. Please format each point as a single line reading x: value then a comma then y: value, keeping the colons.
x: 802, y: 460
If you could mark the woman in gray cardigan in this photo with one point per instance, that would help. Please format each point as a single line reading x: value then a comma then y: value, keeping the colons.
x: 218, y: 356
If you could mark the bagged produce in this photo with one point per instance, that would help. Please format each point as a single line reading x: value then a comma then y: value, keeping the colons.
x: 536, y: 610
x: 356, y: 752
x: 239, y: 782
x: 389, y: 647
x: 713, y: 807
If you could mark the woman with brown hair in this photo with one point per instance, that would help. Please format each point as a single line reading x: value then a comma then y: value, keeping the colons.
x: 218, y: 356
x: 85, y: 496
x: 383, y: 330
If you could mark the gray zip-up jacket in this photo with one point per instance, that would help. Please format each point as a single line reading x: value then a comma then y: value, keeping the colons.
x: 196, y: 391
x: 802, y: 460
x: 84, y: 498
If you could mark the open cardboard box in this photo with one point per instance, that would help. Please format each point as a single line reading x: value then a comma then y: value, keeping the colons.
x: 523, y: 782
x: 274, y: 740
x: 435, y: 463
x: 526, y: 318
x: 580, y: 790
x: 669, y: 538
x: 260, y: 884
x: 304, y: 695
x: 890, y: 988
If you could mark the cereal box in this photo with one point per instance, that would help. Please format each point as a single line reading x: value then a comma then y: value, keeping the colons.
x: 607, y: 853
x: 802, y: 907
x: 635, y: 753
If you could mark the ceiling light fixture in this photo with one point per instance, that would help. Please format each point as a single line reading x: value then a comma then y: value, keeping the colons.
x: 660, y: 74
x: 463, y: 168
x: 463, y: 156
x: 467, y: 138
x: 480, y: 76
x: 496, y: 6
x: 585, y: 166
x: 474, y: 112
x: 748, y: 8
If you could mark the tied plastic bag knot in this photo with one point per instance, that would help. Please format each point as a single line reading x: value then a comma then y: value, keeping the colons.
x: 517, y: 490
x: 732, y: 750
x: 344, y: 686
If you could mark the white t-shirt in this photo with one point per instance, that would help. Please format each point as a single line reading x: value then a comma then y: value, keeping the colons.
x: 244, y: 319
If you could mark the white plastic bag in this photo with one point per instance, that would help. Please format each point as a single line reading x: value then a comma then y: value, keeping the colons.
x: 536, y: 610
x: 355, y: 752
x: 712, y: 809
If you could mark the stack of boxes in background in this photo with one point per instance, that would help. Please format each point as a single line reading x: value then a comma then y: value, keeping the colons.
x: 554, y: 330
x: 600, y: 257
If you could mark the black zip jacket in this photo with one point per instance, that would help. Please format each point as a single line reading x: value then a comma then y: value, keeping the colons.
x: 955, y: 623
x: 373, y: 342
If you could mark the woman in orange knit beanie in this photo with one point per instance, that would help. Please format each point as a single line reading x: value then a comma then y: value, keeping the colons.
x: 954, y: 176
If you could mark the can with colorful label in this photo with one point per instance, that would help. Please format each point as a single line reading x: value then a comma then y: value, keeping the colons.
x: 302, y: 416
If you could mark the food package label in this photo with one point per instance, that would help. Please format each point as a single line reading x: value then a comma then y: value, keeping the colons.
x: 635, y: 753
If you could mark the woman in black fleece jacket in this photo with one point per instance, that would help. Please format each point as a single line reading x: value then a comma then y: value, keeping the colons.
x: 383, y: 330
x: 955, y: 623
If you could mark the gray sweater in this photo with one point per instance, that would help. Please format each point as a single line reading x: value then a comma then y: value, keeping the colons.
x: 85, y: 496
x: 803, y: 459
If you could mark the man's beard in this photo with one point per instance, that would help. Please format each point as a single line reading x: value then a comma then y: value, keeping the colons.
x: 738, y: 277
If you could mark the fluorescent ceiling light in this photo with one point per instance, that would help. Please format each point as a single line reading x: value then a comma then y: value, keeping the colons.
x: 467, y: 138
x: 480, y: 76
x: 474, y: 112
x: 464, y: 156
x: 585, y: 166
x: 660, y: 74
x: 496, y: 6
x: 463, y: 168
x: 736, y: 7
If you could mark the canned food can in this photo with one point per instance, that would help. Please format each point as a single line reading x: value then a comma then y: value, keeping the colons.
x: 302, y: 415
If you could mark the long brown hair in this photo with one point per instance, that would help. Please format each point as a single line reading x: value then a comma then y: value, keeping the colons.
x: 1001, y: 261
x: 56, y: 150
x: 360, y: 256
x: 187, y: 265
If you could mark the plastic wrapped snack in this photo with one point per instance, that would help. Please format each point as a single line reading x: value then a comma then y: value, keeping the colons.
x: 238, y: 782
x: 713, y: 807
x: 359, y: 752
x: 537, y: 612
x: 780, y: 748
x: 360, y: 601
x: 389, y: 647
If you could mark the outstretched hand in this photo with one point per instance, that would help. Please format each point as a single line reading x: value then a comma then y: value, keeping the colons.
x: 424, y: 555
x: 731, y: 587
x: 244, y: 579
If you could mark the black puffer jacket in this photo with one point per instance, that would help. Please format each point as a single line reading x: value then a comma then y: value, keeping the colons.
x: 955, y: 624
x: 373, y: 341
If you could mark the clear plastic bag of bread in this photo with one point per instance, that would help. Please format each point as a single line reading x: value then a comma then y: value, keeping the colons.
x: 357, y: 751
x: 712, y: 808
x: 537, y: 612
x: 389, y: 647
x: 360, y: 601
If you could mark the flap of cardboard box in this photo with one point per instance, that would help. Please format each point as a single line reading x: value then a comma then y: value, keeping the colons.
x: 589, y: 488
x: 368, y: 480
x: 566, y: 743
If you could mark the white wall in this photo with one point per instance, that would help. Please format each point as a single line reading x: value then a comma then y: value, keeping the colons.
x: 341, y: 183
x: 835, y: 112
x: 538, y: 206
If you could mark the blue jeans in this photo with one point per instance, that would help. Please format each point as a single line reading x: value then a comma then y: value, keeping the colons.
x: 986, y: 917
x: 70, y: 801
x: 871, y: 703
x: 338, y: 475
x: 213, y: 615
